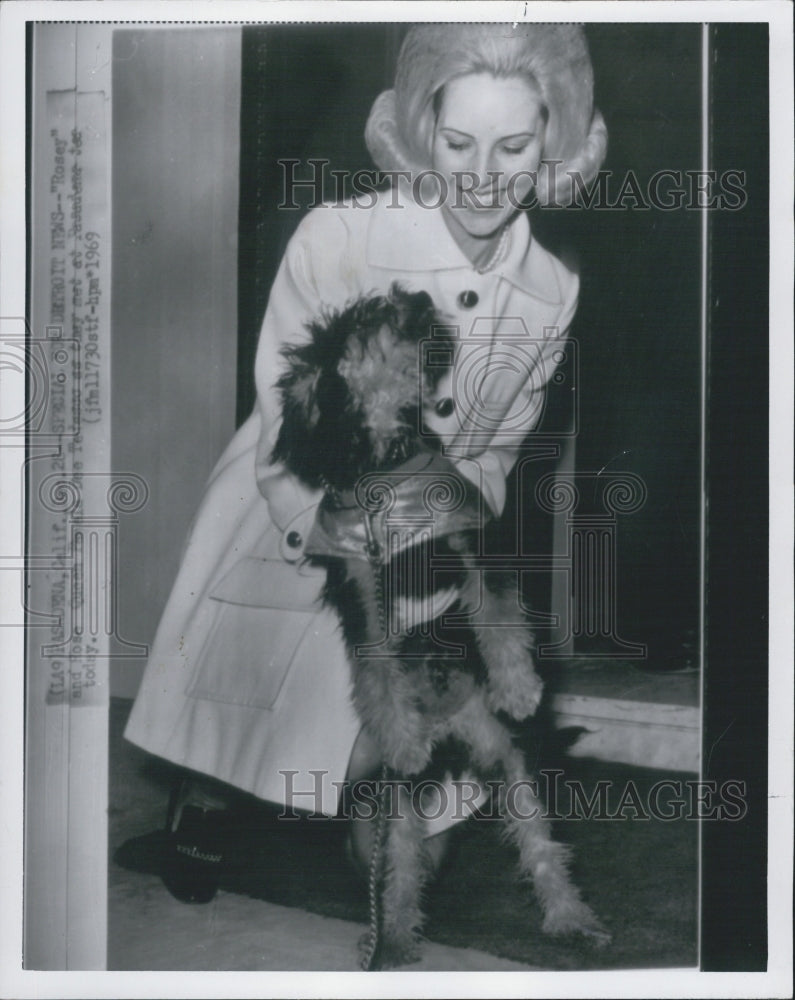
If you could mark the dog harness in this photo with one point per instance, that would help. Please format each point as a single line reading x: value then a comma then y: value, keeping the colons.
x: 387, y: 512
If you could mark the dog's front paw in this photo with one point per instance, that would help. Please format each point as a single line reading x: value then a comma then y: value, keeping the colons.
x: 519, y: 695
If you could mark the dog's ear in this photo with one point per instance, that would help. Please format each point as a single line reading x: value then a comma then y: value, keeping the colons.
x: 295, y: 441
x: 299, y: 391
x: 331, y: 394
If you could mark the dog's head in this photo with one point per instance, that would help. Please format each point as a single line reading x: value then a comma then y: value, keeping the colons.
x: 353, y: 395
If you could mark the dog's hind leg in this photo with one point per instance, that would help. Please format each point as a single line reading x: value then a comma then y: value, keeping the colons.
x: 541, y: 859
x: 547, y: 863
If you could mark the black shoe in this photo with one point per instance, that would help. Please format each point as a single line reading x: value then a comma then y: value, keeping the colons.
x: 188, y: 854
x: 192, y: 868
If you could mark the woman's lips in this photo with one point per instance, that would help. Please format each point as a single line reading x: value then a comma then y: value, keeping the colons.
x: 481, y: 201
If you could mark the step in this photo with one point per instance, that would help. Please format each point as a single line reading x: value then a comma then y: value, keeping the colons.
x: 630, y: 717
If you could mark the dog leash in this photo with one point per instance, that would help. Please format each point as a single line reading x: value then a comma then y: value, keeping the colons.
x: 374, y: 556
x: 373, y: 877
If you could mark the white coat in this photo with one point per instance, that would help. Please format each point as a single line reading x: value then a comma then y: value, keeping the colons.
x: 247, y: 679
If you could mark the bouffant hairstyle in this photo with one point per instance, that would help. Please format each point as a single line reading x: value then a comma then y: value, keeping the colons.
x: 552, y: 57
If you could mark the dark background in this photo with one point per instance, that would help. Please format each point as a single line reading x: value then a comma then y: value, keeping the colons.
x: 307, y: 91
x: 734, y: 855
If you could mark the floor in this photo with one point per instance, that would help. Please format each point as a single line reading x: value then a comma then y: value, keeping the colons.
x: 248, y: 935
x: 148, y: 929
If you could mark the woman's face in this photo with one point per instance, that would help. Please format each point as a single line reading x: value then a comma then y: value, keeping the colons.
x: 489, y: 135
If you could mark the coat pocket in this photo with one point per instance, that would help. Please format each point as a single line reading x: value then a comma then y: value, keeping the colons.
x: 248, y: 654
x: 272, y: 583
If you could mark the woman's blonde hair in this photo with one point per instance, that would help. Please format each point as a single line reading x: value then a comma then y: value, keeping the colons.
x: 553, y: 57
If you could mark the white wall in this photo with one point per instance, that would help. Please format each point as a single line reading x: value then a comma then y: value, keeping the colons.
x: 176, y: 110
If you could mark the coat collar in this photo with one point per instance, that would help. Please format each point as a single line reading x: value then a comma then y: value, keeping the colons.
x: 410, y: 238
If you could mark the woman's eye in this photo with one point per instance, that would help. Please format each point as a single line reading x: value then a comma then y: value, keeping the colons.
x: 515, y: 150
x: 457, y: 147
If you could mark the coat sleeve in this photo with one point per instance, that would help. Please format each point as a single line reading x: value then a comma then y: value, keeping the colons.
x: 315, y: 273
x: 513, y: 403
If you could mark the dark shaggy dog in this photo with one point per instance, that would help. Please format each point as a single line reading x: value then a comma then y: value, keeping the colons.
x: 398, y: 531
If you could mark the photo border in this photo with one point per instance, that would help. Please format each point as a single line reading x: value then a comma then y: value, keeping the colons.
x: 12, y: 304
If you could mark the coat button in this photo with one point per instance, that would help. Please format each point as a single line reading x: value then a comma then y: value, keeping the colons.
x: 445, y: 407
x: 468, y: 299
x: 294, y: 539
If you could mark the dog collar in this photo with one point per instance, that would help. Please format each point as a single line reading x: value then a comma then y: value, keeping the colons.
x: 388, y: 512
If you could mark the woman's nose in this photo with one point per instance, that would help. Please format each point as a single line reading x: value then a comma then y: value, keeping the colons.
x: 486, y: 171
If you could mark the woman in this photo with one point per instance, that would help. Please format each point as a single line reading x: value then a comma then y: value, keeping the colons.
x: 248, y: 680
